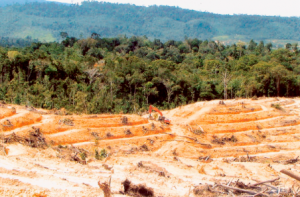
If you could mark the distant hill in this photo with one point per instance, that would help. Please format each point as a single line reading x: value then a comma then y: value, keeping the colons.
x: 45, y: 21
x: 10, y: 2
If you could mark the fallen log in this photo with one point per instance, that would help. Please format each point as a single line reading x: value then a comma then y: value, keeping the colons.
x: 290, y: 174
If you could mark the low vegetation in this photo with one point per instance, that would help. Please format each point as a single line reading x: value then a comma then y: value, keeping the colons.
x: 276, y: 106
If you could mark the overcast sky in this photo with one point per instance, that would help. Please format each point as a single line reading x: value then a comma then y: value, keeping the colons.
x: 251, y: 7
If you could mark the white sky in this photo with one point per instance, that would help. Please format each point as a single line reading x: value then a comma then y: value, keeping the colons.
x: 250, y: 7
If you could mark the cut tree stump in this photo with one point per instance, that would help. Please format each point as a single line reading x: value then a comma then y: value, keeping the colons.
x: 105, y: 186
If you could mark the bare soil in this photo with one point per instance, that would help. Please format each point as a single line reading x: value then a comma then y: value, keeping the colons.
x: 49, y: 153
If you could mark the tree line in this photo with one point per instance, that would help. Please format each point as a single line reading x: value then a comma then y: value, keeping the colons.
x: 113, y: 75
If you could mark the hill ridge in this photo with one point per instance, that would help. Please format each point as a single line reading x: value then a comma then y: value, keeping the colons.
x: 47, y: 19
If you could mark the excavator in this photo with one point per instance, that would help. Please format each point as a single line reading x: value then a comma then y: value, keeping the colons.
x: 161, y: 117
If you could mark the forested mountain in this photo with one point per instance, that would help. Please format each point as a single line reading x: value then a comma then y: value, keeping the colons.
x: 10, y: 2
x: 102, y: 75
x: 45, y: 21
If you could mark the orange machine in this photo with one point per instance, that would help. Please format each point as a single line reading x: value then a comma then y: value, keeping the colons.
x: 161, y: 117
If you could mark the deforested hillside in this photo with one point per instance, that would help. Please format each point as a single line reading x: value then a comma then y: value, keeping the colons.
x: 210, y: 148
x: 45, y: 21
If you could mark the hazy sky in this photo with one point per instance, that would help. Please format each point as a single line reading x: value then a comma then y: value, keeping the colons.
x: 259, y: 7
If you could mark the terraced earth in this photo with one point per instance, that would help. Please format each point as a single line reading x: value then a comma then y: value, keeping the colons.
x: 50, y: 153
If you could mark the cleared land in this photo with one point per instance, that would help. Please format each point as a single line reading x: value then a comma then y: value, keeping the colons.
x: 50, y: 153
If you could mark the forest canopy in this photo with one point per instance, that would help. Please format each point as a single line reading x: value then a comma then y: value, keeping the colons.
x: 113, y: 75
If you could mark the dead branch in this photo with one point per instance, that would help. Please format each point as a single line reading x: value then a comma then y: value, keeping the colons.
x: 290, y: 174
x: 275, y: 188
x: 238, y: 189
x: 201, y: 128
x: 261, y: 193
x: 259, y: 183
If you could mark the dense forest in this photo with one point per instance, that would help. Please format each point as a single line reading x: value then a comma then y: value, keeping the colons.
x: 45, y: 21
x: 112, y: 75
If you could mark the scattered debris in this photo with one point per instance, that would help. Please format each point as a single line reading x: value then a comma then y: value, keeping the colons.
x: 291, y: 161
x: 197, y: 131
x: 223, y: 140
x: 221, y: 103
x: 144, y: 148
x: 127, y: 132
x: 66, y: 121
x: 30, y: 108
x: 124, y: 120
x: 149, y: 166
x: 204, y: 190
x: 7, y: 123
x: 137, y: 190
x: 109, y: 135
x: 152, y: 126
x: 145, y: 130
x: 96, y: 135
x: 107, y: 167
x: 35, y: 139
x: 151, y: 141
x: 206, y: 159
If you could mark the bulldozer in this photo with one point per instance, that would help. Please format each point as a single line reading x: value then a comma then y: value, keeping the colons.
x: 161, y: 118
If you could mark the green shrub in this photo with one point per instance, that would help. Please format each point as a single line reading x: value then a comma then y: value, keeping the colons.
x: 103, y: 153
x: 83, y: 156
x: 99, y: 156
x: 254, y: 98
x: 276, y: 106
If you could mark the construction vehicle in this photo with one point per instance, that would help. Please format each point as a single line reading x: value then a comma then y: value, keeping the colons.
x: 161, y: 117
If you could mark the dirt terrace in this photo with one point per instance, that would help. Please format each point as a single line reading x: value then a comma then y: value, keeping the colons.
x: 206, y: 143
